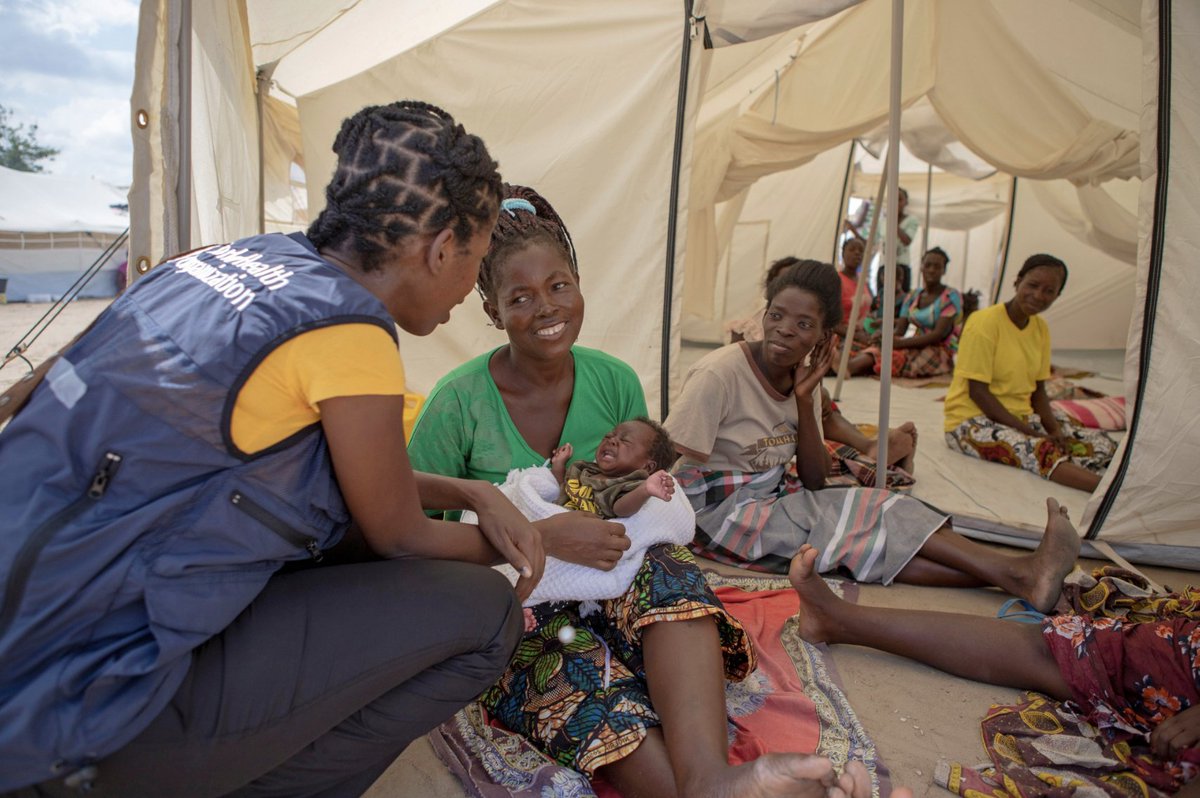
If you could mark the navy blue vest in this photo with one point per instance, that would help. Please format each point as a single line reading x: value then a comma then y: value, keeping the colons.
x: 131, y: 527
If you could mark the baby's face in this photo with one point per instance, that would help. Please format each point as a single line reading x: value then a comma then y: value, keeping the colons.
x: 625, y: 449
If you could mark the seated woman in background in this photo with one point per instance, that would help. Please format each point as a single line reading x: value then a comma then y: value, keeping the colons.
x: 997, y: 408
x: 852, y: 255
x: 749, y: 411
x: 935, y: 310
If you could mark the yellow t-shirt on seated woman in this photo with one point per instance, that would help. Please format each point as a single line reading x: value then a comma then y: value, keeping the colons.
x: 280, y: 397
x: 1010, y: 360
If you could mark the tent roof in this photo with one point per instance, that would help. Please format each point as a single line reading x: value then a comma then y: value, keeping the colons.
x: 31, y: 202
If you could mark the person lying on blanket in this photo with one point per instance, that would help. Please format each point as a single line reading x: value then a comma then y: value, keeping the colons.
x: 747, y: 411
x: 629, y: 470
x: 1133, y: 679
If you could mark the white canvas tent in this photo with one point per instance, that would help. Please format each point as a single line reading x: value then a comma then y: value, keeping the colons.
x: 643, y: 138
x: 52, y: 229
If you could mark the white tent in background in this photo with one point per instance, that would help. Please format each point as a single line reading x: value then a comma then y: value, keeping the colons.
x: 52, y: 229
x: 647, y: 140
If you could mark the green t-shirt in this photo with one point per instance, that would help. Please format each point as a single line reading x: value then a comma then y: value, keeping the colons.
x: 464, y: 429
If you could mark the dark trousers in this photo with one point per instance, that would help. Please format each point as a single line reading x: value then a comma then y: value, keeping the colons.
x: 322, y: 682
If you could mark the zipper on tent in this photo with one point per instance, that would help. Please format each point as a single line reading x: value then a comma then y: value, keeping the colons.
x: 1154, y: 274
x: 691, y: 27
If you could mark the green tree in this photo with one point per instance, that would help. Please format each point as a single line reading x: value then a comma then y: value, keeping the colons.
x: 19, y: 148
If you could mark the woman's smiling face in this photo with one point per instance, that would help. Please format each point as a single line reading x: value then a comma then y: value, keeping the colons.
x: 537, y: 301
x: 792, y: 325
x: 1038, y: 288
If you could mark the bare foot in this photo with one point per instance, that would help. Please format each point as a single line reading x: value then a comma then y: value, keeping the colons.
x: 772, y: 775
x: 901, y: 444
x: 908, y: 463
x: 817, y: 601
x: 1054, y: 558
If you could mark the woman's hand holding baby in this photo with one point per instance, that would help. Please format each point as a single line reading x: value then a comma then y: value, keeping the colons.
x: 511, y: 534
x: 584, y: 539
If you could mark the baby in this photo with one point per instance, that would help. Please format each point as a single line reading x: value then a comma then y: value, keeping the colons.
x: 629, y: 469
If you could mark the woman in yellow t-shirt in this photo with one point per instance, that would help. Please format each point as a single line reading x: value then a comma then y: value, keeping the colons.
x: 997, y: 408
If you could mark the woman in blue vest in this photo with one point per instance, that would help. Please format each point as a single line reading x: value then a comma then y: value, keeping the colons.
x: 227, y: 415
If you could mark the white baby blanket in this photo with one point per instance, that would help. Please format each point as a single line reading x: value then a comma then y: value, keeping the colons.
x: 534, y: 490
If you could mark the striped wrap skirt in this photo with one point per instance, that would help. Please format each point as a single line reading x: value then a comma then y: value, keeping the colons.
x: 760, y: 520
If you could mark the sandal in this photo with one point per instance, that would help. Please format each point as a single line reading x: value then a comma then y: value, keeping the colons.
x: 1021, y: 611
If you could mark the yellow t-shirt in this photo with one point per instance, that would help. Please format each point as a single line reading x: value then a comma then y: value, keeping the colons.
x: 281, y: 395
x: 1010, y: 360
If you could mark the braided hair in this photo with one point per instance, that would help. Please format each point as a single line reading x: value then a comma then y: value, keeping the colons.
x: 939, y: 252
x: 526, y: 217
x: 403, y: 169
x: 775, y: 270
x: 1043, y: 259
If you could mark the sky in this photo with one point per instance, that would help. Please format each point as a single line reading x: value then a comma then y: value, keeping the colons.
x: 67, y: 66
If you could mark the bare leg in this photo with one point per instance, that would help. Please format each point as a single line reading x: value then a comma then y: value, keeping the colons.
x: 983, y: 649
x: 646, y: 773
x: 1036, y: 577
x: 861, y: 364
x: 902, y: 441
x: 685, y: 675
x: 921, y: 571
x: 902, y: 445
x: 1075, y: 476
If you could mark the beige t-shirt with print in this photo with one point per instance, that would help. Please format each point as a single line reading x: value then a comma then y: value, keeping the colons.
x: 730, y: 418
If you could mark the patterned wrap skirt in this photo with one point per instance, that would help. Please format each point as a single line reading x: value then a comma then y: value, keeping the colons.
x: 583, y: 699
x: 760, y: 520
x: 1130, y: 677
x: 927, y: 361
x: 985, y: 439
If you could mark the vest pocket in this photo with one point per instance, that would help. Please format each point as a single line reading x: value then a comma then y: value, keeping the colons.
x: 265, y: 517
x: 27, y: 555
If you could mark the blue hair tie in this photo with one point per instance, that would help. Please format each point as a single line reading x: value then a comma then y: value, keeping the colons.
x: 514, y: 204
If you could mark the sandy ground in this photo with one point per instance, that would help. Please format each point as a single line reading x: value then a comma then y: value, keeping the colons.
x: 916, y: 716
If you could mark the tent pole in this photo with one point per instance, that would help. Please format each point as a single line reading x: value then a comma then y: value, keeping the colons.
x: 262, y: 80
x: 183, y: 187
x: 888, y: 323
x: 998, y: 281
x: 845, y: 198
x: 691, y: 27
x: 1157, y: 242
x: 928, y: 200
x: 863, y: 268
x: 966, y: 258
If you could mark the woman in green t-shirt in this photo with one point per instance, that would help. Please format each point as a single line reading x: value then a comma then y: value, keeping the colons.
x: 579, y: 687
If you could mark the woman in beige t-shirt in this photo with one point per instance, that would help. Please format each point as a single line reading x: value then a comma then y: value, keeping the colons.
x: 748, y: 410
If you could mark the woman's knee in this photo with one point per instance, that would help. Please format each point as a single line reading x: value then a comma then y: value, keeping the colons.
x: 495, y: 596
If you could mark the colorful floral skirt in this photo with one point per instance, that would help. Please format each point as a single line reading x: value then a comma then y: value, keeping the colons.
x: 1131, y: 660
x: 582, y: 699
x: 985, y: 439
